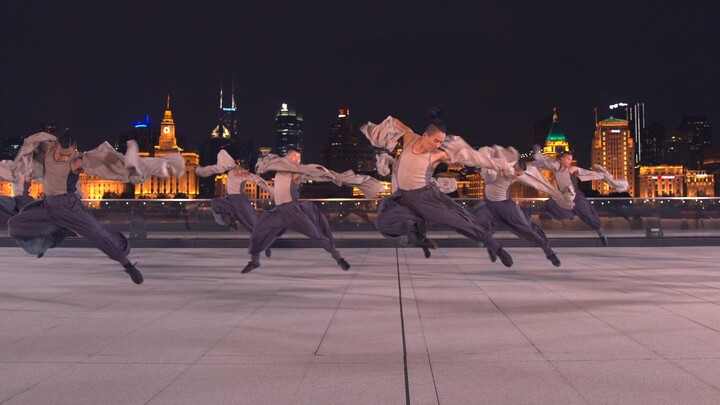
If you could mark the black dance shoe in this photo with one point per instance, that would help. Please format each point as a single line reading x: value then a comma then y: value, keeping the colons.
x: 505, y: 257
x: 343, y: 264
x: 553, y: 259
x: 134, y: 273
x: 250, y: 267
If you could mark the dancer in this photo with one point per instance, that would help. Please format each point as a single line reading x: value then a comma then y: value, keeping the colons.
x: 395, y: 226
x: 403, y: 214
x: 566, y: 176
x: 234, y: 209
x: 300, y: 216
x: 57, y: 164
x: 498, y: 207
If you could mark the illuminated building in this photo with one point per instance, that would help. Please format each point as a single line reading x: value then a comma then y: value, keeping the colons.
x: 288, y: 130
x: 699, y: 183
x: 614, y: 148
x: 94, y: 188
x: 344, y: 151
x: 687, y: 144
x: 635, y: 115
x: 652, y: 139
x: 674, y: 181
x: 143, y: 133
x: 555, y: 142
x: 660, y: 181
x: 227, y: 128
x: 171, y: 186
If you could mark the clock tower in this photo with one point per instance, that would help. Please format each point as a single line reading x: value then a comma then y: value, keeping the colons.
x: 167, y: 142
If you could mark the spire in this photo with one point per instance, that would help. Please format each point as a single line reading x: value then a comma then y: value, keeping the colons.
x: 555, y: 133
x: 221, y: 105
x: 168, y: 102
x: 233, y: 94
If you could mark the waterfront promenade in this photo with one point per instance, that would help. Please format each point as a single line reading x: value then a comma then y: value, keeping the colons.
x: 633, y: 325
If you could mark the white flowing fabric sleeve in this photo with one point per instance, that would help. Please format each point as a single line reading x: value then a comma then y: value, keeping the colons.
x: 385, y: 134
x: 446, y: 185
x: 459, y: 151
x: 224, y: 163
x: 383, y: 162
x: 533, y: 178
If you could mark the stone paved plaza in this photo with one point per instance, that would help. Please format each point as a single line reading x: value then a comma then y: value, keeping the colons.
x: 612, y: 325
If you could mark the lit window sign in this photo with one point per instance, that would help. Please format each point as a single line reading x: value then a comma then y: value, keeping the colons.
x: 667, y: 177
x: 615, y: 131
x: 617, y: 105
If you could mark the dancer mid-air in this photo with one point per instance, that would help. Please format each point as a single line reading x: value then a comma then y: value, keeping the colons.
x: 300, y: 216
x: 566, y: 176
x: 417, y: 200
x: 57, y: 164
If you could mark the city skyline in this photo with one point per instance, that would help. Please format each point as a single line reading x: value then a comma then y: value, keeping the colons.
x: 496, y: 68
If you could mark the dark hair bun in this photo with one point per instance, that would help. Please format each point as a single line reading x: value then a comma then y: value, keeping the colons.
x: 435, y: 117
x: 67, y: 141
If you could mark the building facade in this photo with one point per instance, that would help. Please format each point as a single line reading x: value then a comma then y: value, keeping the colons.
x: 169, y: 187
x: 288, y: 130
x: 613, y: 147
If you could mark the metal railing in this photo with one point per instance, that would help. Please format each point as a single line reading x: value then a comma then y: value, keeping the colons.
x: 634, y: 217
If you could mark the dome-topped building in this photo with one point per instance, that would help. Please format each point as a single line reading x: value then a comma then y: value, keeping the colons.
x: 555, y: 141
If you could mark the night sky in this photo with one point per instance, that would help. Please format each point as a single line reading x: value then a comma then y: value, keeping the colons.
x: 496, y: 67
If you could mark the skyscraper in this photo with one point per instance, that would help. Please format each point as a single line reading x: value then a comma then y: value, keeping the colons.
x: 614, y: 148
x: 687, y: 144
x: 652, y: 139
x: 344, y: 151
x: 143, y: 133
x: 635, y: 115
x: 224, y: 136
x: 288, y: 130
x: 227, y: 125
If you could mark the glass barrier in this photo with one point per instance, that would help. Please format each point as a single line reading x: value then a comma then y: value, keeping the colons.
x: 631, y: 217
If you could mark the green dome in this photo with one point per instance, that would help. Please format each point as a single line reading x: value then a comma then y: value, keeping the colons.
x: 555, y: 133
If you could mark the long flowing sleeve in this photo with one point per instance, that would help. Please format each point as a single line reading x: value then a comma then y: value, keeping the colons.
x: 459, y: 151
x: 224, y: 163
x: 385, y: 134
x: 533, y: 178
x: 27, y: 162
x: 254, y: 178
x: 107, y: 163
x: 543, y: 162
x: 620, y: 185
x: 383, y: 162
x: 369, y: 186
x: 446, y: 185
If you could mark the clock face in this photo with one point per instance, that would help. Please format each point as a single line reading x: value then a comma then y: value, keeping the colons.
x: 166, y: 130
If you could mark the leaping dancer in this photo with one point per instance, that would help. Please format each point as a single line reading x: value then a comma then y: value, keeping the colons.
x: 403, y: 219
x: 566, y: 176
x: 300, y: 216
x: 57, y: 165
x: 417, y: 200
x: 234, y: 209
x: 498, y: 207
